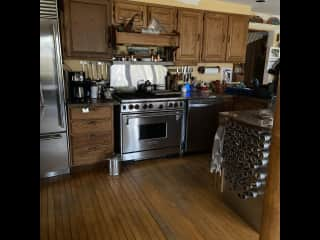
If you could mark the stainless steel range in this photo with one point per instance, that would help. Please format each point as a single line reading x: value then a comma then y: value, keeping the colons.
x: 149, y: 125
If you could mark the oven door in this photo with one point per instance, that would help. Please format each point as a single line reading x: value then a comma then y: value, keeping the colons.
x: 141, y: 132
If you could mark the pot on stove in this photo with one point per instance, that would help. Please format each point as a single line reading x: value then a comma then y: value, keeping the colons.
x: 145, y: 86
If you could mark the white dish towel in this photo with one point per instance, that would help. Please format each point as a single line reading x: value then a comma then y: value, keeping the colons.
x: 216, y: 162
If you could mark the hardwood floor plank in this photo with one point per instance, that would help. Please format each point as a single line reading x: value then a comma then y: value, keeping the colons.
x: 78, y: 213
x: 139, y: 223
x: 170, y: 198
x: 87, y: 206
x: 130, y: 223
x: 106, y: 211
x: 116, y: 215
x: 87, y: 216
x: 64, y: 205
x: 153, y: 226
x: 57, y: 212
x: 168, y: 209
x: 44, y: 213
x: 94, y: 207
x: 51, y: 218
x: 104, y: 222
x: 191, y: 203
x: 73, y: 212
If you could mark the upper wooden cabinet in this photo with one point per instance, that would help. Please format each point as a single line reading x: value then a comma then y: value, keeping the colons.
x: 86, y: 28
x: 237, y: 38
x: 190, y: 29
x: 215, y: 32
x: 123, y: 11
x: 167, y: 17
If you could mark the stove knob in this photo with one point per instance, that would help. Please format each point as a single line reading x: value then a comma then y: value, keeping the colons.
x: 136, y: 106
x: 175, y: 104
x: 170, y: 104
x: 160, y: 106
x: 124, y: 107
x: 130, y: 106
x: 144, y: 106
x: 150, y: 105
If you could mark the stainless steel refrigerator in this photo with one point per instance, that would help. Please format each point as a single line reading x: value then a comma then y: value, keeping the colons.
x: 54, y: 159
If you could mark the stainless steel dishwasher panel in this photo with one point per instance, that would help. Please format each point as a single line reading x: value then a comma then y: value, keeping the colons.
x: 202, y: 123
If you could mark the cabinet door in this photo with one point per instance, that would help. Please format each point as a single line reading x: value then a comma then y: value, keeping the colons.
x: 124, y: 11
x: 166, y: 16
x: 190, y: 25
x: 237, y: 38
x: 214, y: 37
x: 86, y: 26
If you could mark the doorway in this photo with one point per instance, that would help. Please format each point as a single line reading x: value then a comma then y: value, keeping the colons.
x: 255, y: 57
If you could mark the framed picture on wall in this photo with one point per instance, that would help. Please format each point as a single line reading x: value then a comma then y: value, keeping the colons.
x: 274, y: 53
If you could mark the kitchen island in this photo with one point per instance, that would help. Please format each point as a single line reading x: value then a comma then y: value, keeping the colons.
x: 242, y: 162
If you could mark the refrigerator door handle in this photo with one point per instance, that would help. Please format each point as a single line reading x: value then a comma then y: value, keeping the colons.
x: 52, y: 136
x: 41, y: 97
x: 59, y: 75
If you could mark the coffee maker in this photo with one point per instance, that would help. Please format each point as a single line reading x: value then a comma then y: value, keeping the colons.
x: 79, y: 87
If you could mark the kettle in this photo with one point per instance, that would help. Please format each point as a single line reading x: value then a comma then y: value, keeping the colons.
x: 145, y: 86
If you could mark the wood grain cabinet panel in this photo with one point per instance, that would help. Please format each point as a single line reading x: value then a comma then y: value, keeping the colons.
x: 215, y: 31
x: 86, y: 25
x: 190, y: 30
x: 237, y: 38
x: 166, y: 16
x: 124, y: 10
x: 91, y: 134
x: 94, y: 113
x: 92, y: 139
x: 85, y: 126
x: 90, y: 155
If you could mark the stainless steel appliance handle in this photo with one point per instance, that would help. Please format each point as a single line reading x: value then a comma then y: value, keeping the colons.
x: 154, y: 115
x: 59, y: 73
x: 41, y: 96
x: 195, y: 105
x: 49, y: 137
x: 128, y: 117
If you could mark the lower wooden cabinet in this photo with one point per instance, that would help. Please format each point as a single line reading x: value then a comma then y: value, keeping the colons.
x: 249, y: 103
x: 91, y: 134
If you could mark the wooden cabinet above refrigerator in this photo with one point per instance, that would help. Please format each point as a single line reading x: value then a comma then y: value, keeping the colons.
x: 86, y: 25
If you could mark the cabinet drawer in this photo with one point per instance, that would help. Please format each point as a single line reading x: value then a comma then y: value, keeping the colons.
x: 94, y: 113
x: 86, y: 126
x: 91, y: 139
x: 88, y: 155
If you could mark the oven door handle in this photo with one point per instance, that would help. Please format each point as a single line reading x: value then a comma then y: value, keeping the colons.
x: 154, y: 115
x: 178, y: 116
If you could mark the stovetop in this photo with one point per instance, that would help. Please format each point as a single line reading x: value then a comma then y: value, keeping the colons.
x: 137, y: 102
x: 145, y: 96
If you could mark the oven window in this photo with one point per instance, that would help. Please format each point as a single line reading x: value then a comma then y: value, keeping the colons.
x: 154, y: 130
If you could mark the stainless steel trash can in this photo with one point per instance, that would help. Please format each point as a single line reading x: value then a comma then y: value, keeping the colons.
x: 114, y: 165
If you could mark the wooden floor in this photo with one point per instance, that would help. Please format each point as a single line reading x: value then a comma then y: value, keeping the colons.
x: 169, y: 198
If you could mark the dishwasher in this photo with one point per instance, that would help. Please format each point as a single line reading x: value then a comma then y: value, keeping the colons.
x: 202, y: 120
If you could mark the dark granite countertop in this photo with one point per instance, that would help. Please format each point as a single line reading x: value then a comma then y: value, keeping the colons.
x: 93, y: 102
x: 203, y: 95
x: 184, y: 96
x: 262, y: 118
x: 210, y: 94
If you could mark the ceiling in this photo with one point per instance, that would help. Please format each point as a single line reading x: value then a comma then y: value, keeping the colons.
x: 271, y: 7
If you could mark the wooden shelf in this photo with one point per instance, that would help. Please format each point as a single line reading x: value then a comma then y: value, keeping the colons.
x: 143, y: 39
x: 144, y: 63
